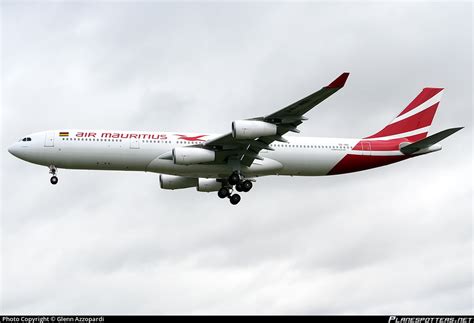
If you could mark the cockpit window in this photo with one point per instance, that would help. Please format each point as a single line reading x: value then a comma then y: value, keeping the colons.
x: 26, y: 139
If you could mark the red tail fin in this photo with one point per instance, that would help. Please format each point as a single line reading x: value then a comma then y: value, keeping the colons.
x: 414, y: 121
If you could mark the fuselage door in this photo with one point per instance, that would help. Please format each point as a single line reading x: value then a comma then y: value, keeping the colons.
x: 49, y: 139
x: 366, y: 148
x: 134, y: 143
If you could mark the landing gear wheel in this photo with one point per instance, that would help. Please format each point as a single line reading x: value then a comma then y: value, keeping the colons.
x: 234, y: 178
x: 223, y: 192
x: 239, y: 187
x: 234, y: 199
x: 247, y: 186
x: 54, y: 180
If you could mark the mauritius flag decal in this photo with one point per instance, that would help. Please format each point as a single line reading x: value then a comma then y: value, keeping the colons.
x: 64, y: 134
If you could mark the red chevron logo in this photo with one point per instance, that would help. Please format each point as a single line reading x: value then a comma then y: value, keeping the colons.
x: 196, y: 138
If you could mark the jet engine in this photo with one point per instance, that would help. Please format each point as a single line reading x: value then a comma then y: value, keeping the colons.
x: 208, y: 185
x: 251, y: 129
x: 172, y: 182
x: 192, y: 155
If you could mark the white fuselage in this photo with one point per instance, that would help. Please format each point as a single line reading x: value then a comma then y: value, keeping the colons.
x: 141, y: 151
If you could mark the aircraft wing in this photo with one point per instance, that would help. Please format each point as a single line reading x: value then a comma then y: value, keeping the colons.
x: 286, y: 119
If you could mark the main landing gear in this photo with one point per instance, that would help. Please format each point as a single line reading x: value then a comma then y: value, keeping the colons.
x: 241, y: 185
x: 53, y: 170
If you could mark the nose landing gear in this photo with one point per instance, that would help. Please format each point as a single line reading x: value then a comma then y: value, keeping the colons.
x: 53, y: 170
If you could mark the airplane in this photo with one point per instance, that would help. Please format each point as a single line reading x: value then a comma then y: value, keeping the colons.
x: 254, y: 147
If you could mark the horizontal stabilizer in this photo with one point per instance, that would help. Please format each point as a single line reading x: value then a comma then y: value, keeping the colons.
x: 428, y: 141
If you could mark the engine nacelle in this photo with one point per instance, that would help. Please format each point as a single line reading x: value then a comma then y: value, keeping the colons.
x: 208, y: 185
x: 192, y: 155
x: 172, y: 182
x: 251, y: 129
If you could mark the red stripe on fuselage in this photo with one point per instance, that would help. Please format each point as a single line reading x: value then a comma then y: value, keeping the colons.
x: 354, y: 163
x: 417, y: 137
x: 380, y: 145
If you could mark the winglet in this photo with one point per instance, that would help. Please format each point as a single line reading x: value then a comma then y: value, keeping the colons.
x: 339, y: 82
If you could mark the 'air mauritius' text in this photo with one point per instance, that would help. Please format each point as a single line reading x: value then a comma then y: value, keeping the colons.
x: 121, y: 135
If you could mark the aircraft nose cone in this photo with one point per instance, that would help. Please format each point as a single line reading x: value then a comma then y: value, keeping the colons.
x: 13, y: 149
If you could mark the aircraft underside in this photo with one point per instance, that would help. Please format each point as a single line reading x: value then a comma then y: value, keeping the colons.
x: 299, y: 157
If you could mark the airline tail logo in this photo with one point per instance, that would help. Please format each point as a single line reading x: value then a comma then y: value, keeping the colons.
x: 415, y: 120
x: 64, y: 134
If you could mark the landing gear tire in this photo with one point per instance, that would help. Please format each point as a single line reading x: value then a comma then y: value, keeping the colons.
x: 223, y: 192
x: 239, y: 187
x: 234, y: 178
x: 234, y: 199
x: 54, y: 180
x: 247, y: 186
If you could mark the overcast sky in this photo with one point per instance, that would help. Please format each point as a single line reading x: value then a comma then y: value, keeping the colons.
x: 396, y: 239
